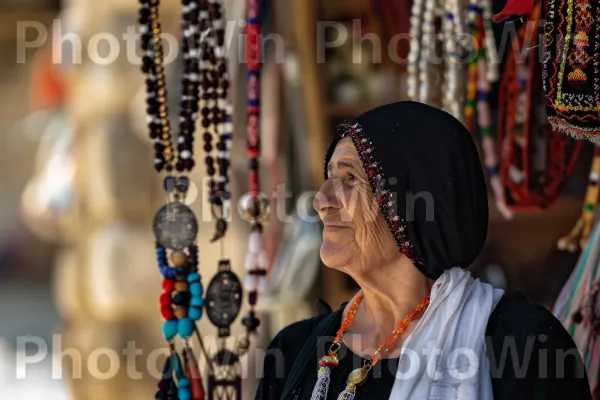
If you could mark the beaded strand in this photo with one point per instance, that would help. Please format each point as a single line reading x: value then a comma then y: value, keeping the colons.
x: 256, y: 209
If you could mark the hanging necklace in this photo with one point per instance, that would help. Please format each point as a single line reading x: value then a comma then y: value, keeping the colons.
x: 359, y: 375
x: 536, y: 160
x: 175, y: 226
x: 254, y: 205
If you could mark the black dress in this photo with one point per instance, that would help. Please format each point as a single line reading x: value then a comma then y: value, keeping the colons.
x: 522, y: 366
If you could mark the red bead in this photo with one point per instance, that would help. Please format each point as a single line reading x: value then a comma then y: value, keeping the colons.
x: 167, y: 312
x: 168, y: 285
x: 165, y: 299
x: 253, y: 109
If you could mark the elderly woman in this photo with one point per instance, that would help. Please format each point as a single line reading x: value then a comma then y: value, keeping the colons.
x: 405, y: 209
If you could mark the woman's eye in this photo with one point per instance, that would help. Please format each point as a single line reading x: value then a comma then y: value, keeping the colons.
x: 351, y: 178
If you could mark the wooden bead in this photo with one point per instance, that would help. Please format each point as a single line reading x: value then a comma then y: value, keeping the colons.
x: 178, y: 258
x: 180, y: 312
x: 181, y: 286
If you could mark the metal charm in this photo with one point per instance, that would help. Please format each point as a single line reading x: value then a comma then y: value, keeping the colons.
x: 223, y: 298
x: 175, y: 226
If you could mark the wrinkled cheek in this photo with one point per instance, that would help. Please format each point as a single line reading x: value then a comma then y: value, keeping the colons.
x: 370, y: 208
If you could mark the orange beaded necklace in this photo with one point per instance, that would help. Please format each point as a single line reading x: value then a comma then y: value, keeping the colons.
x: 359, y: 375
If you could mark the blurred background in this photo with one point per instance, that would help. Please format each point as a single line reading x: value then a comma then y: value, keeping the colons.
x: 78, y: 191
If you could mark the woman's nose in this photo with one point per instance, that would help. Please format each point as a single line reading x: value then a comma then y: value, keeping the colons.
x: 326, y: 198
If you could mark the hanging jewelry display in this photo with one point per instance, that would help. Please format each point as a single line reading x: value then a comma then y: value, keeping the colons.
x: 175, y: 226
x: 254, y: 205
x: 577, y: 307
x: 536, y: 160
x: 224, y: 292
x: 579, y: 235
x: 572, y: 67
x: 483, y: 72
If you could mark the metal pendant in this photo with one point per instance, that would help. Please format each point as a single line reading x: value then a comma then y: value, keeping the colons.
x: 223, y: 298
x: 225, y: 382
x: 175, y: 226
x: 357, y: 376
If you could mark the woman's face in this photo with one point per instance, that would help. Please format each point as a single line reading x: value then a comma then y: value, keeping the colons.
x: 355, y: 233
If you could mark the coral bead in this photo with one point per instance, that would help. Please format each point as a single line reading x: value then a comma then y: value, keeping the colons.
x: 165, y: 299
x: 168, y: 285
x: 181, y: 286
x: 180, y: 312
x: 167, y: 312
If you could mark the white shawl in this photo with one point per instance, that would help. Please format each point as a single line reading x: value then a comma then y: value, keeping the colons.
x: 445, y: 356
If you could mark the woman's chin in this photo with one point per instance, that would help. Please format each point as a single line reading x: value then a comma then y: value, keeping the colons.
x: 336, y: 256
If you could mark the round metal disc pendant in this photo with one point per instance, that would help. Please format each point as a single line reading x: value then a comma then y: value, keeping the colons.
x: 223, y: 299
x: 175, y: 226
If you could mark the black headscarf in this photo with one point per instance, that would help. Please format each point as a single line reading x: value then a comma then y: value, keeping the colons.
x: 416, y: 154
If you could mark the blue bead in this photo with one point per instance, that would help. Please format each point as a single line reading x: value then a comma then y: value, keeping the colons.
x: 185, y: 327
x: 185, y: 394
x: 197, y: 301
x: 169, y: 183
x: 184, y: 383
x: 170, y: 329
x: 493, y: 170
x: 195, y: 313
x: 193, y: 277
x: 196, y: 289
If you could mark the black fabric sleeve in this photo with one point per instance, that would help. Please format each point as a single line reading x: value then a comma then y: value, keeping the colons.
x: 280, y: 357
x: 531, y: 354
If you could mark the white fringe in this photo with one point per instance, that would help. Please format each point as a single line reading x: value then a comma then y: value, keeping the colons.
x: 348, y: 393
x: 322, y: 386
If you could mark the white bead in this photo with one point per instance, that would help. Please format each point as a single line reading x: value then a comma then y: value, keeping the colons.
x: 262, y: 260
x: 228, y: 127
x: 186, y: 154
x: 250, y: 262
x: 181, y: 139
x: 255, y: 242
x: 250, y: 283
x: 203, y: 15
x: 263, y: 284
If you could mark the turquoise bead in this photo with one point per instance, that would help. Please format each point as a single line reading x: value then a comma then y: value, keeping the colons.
x: 185, y: 394
x: 184, y: 383
x: 193, y: 277
x: 170, y: 329
x: 197, y: 301
x: 186, y: 327
x: 195, y: 313
x: 196, y: 289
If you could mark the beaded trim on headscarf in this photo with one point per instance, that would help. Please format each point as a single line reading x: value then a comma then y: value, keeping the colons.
x: 364, y: 147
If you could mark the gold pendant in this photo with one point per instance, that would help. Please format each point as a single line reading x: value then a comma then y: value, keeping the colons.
x: 357, y: 376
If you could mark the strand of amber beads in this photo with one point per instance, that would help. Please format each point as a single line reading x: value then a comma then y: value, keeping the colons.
x: 390, y: 341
